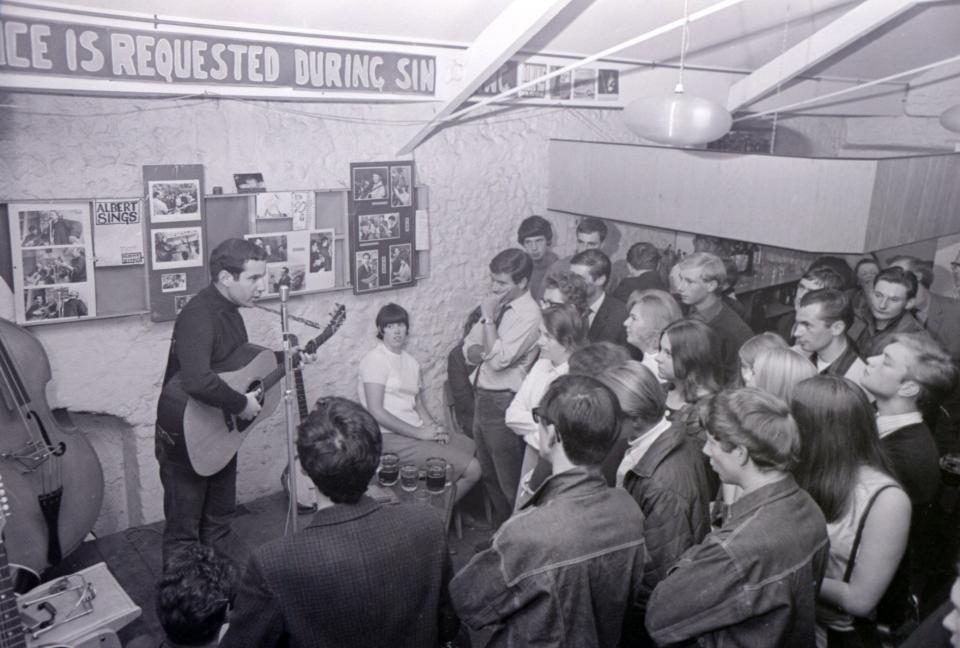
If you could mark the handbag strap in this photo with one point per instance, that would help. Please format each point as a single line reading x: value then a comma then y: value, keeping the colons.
x: 856, y: 539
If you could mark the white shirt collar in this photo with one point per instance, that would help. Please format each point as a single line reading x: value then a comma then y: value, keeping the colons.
x: 889, y: 424
x: 639, y: 447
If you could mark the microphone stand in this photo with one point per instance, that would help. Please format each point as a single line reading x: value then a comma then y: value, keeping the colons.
x: 288, y: 409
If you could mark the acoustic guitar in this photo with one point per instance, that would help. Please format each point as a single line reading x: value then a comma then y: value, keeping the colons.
x: 213, y: 436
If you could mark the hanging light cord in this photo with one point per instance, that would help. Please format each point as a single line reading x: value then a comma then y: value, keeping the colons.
x: 783, y: 48
x: 684, y: 42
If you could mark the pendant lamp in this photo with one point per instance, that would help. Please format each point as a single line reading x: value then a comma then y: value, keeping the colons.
x: 678, y: 119
x: 950, y: 118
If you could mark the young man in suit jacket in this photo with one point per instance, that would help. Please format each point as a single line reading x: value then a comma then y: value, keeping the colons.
x: 362, y: 573
x: 642, y: 262
x: 605, y: 313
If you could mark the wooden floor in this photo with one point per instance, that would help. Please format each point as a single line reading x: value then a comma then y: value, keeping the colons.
x: 133, y: 556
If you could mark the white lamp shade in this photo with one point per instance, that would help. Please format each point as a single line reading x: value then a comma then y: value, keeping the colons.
x: 677, y: 119
x: 950, y: 119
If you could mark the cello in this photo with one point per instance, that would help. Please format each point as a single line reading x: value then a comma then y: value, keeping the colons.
x: 52, y: 473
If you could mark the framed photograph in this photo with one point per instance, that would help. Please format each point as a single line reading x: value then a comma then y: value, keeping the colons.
x: 608, y: 84
x: 180, y: 247
x: 53, y: 266
x: 368, y: 270
x: 400, y: 186
x: 54, y: 226
x: 173, y: 282
x: 65, y: 302
x: 320, y: 272
x: 584, y: 83
x: 401, y: 264
x: 291, y: 275
x: 179, y: 301
x: 249, y: 182
x: 378, y: 227
x: 370, y: 183
x: 274, y: 246
x: 172, y: 201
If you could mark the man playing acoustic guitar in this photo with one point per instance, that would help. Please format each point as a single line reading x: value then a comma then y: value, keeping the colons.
x: 207, y: 331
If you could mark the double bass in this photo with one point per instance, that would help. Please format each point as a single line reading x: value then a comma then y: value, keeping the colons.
x: 53, y: 477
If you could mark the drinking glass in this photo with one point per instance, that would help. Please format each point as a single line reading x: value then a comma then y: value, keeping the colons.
x: 389, y: 469
x: 436, y: 475
x: 409, y: 477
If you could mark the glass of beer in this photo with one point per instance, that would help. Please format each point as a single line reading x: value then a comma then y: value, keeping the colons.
x: 436, y: 474
x: 409, y: 477
x: 389, y: 471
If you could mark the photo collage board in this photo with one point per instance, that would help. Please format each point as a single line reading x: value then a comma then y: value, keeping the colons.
x: 382, y: 226
x: 176, y: 246
x: 52, y: 261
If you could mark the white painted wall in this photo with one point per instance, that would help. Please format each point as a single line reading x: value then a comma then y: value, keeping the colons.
x: 484, y: 177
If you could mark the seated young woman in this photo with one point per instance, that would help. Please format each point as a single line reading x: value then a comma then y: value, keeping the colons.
x: 843, y: 467
x: 391, y: 389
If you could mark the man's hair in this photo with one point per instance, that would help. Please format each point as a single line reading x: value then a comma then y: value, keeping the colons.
x: 834, y: 305
x: 391, y: 314
x: 571, y: 285
x: 931, y: 367
x: 594, y: 359
x: 697, y: 360
x: 339, y: 446
x: 643, y: 256
x: 758, y: 421
x: 566, y: 325
x: 595, y: 260
x: 193, y: 594
x: 826, y: 276
x: 899, y: 276
x: 866, y: 261
x: 513, y: 262
x: 923, y: 270
x: 637, y: 390
x: 590, y: 225
x: 838, y: 265
x: 585, y: 415
x: 710, y: 265
x: 532, y: 226
x: 231, y: 255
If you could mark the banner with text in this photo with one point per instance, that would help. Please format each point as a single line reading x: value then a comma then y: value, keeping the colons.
x: 42, y: 47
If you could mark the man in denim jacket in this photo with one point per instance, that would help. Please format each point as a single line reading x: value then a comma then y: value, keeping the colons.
x: 564, y: 570
x: 753, y: 582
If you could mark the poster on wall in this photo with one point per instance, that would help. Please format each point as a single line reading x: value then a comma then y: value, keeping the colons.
x: 52, y: 262
x: 176, y: 247
x: 382, y: 225
x: 301, y: 260
x: 172, y: 201
x: 117, y: 233
x: 299, y: 206
x: 174, y: 236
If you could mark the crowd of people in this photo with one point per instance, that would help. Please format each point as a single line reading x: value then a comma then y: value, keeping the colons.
x: 659, y: 473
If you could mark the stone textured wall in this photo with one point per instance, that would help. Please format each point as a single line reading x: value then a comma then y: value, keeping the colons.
x: 484, y: 177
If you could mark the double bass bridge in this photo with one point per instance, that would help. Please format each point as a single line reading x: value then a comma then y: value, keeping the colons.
x: 32, y: 455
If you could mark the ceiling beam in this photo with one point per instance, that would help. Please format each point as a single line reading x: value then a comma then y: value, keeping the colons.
x: 856, y: 23
x: 508, y: 32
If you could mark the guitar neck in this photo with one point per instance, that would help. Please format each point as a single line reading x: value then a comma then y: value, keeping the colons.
x: 301, y: 394
x: 11, y: 627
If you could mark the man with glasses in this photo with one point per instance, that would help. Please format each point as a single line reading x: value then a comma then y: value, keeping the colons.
x: 567, y: 568
x: 754, y: 581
